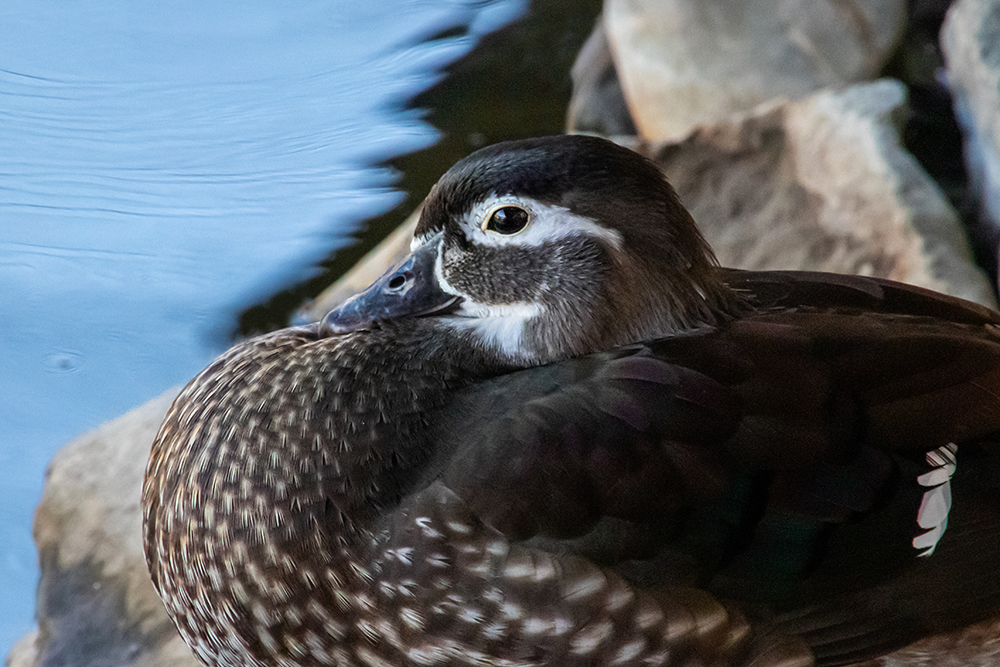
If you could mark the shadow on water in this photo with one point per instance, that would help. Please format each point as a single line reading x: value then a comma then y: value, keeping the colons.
x: 514, y: 84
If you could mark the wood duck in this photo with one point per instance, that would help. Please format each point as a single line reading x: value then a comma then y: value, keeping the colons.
x: 559, y: 434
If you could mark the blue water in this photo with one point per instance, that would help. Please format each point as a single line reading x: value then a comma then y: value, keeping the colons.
x: 162, y: 167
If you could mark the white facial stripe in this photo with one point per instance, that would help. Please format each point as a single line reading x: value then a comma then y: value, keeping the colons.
x: 548, y: 223
x: 439, y: 274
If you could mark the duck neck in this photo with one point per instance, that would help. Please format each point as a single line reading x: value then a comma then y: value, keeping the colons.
x: 377, y: 391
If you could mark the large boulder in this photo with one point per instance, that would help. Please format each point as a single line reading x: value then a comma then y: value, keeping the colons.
x: 823, y: 184
x: 970, y: 40
x: 96, y: 606
x: 598, y: 104
x: 685, y: 63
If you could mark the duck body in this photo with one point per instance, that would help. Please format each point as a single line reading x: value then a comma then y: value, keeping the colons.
x: 761, y: 474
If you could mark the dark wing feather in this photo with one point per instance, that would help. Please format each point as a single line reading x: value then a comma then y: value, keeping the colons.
x: 810, y: 289
x: 599, y: 443
x: 549, y: 486
x: 772, y: 460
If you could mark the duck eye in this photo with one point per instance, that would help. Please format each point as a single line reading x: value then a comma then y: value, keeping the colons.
x: 507, y: 220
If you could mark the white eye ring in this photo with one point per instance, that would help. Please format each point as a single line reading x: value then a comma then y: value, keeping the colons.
x: 520, y: 215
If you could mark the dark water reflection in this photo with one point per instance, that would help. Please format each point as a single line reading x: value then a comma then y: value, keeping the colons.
x: 163, y: 167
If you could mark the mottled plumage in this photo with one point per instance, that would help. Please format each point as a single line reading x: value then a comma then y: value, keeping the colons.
x: 559, y: 434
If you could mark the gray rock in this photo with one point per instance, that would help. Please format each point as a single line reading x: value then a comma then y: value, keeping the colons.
x: 823, y: 184
x: 685, y: 63
x: 970, y: 39
x: 598, y: 104
x: 24, y: 653
x: 96, y: 606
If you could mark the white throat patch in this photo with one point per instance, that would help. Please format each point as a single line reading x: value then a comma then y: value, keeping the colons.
x: 497, y: 327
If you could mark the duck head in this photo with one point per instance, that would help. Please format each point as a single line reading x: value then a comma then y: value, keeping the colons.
x: 543, y: 249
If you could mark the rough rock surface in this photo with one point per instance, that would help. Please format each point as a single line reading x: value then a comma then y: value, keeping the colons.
x: 96, y: 605
x: 24, y: 653
x: 970, y: 40
x: 823, y: 184
x: 598, y: 104
x: 685, y: 63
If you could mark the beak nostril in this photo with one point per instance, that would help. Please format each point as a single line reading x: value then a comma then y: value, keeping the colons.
x: 397, y: 281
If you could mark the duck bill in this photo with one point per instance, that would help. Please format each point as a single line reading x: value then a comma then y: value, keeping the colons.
x: 409, y: 289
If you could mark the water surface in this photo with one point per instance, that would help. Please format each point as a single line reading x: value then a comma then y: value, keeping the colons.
x: 164, y: 166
